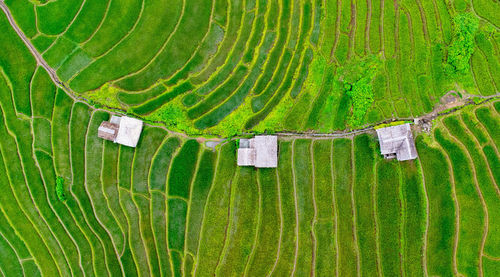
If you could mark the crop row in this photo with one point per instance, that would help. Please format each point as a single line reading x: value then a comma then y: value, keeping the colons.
x: 171, y: 206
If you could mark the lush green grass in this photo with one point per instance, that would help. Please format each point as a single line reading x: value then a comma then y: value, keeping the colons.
x: 172, y: 207
x: 285, y: 263
x: 485, y: 183
x: 414, y: 218
x: 364, y: 179
x: 243, y: 218
x: 389, y: 217
x: 324, y: 228
x: 441, y: 215
x: 471, y: 212
x: 183, y: 167
x: 303, y: 186
x: 266, y: 248
x: 343, y: 188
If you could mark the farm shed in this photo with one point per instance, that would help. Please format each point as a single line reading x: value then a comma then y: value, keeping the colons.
x: 397, y: 141
x: 122, y: 130
x: 260, y: 151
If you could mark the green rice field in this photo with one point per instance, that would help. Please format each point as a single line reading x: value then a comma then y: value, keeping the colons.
x: 76, y: 205
x: 222, y: 67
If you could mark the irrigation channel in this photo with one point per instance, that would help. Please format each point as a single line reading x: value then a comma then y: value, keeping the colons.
x: 437, y: 112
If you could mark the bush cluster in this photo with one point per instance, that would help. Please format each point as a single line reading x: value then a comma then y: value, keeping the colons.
x: 60, y: 189
x: 357, y: 77
x: 460, y: 50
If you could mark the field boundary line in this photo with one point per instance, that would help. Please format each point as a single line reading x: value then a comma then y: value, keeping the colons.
x: 37, y: 164
x: 259, y: 225
x: 129, y: 236
x: 427, y: 219
x: 282, y: 50
x: 77, y: 199
x: 150, y: 203
x: 296, y: 209
x: 25, y: 178
x: 70, y: 190
x: 491, y: 258
x: 216, y: 53
x: 381, y: 32
x: 230, y: 222
x: 42, y: 179
x: 113, y: 243
x: 475, y: 139
x: 315, y: 207
x: 217, y: 162
x: 457, y: 207
x: 104, y: 16
x: 139, y: 17
x: 107, y: 199
x: 301, y: 58
x: 165, y: 194
x: 163, y: 45
x: 376, y: 217
x: 240, y: 62
x: 133, y: 194
x: 402, y: 222
x: 211, y: 22
x: 21, y: 209
x: 471, y: 163
x: 19, y: 259
x: 141, y: 232
x: 352, y: 32
x: 332, y: 57
x: 188, y: 212
x: 492, y: 80
x: 354, y: 216
x: 368, y: 26
x: 335, y: 213
x: 278, y: 183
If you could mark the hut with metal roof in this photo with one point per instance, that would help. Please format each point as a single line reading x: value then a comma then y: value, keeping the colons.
x: 260, y: 151
x: 122, y: 130
x: 397, y: 142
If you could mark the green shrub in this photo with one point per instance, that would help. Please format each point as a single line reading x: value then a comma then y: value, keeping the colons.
x: 461, y: 48
x: 357, y: 77
x: 60, y: 189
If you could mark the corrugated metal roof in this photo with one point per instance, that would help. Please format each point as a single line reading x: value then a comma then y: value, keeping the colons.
x: 129, y: 132
x: 261, y: 151
x: 397, y: 140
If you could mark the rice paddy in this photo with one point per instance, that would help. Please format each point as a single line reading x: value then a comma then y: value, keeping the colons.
x: 174, y: 207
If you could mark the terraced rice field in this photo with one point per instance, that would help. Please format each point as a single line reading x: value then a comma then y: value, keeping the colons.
x: 222, y: 67
x: 173, y: 207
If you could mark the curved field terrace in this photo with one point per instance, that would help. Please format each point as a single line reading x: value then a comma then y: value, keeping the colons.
x: 203, y: 74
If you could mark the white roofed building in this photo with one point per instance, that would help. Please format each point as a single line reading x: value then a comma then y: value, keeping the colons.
x: 261, y: 152
x: 122, y: 130
x: 397, y: 142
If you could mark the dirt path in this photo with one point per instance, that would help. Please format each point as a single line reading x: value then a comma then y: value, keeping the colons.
x: 38, y: 57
